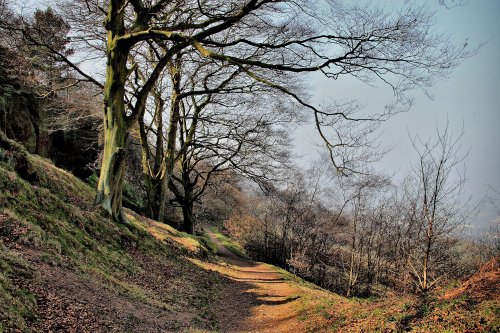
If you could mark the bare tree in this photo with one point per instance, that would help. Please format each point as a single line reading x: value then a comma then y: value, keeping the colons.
x: 264, y: 39
x: 361, y: 194
x: 196, y: 136
x: 492, y: 235
x: 439, y: 207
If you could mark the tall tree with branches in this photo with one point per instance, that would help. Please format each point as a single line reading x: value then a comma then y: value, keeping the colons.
x: 269, y: 41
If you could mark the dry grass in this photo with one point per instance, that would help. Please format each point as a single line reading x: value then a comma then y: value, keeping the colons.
x: 65, y: 266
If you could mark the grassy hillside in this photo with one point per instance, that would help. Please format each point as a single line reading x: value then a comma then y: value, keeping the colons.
x: 66, y: 267
x: 63, y: 264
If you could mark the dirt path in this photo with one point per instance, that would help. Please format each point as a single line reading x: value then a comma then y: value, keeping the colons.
x: 255, y: 298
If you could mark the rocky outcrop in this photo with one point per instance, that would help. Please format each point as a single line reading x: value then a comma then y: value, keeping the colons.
x: 22, y: 120
x: 25, y: 117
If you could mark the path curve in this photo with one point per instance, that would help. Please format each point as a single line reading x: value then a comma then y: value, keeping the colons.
x: 256, y: 298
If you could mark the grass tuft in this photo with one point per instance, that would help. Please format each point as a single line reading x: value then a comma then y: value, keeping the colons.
x: 229, y: 244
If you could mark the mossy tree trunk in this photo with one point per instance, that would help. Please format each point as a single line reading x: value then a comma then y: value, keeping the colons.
x: 185, y: 197
x: 153, y: 165
x: 116, y: 125
x: 170, y: 154
x: 159, y: 166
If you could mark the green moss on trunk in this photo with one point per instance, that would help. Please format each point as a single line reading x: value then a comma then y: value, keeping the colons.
x: 116, y: 127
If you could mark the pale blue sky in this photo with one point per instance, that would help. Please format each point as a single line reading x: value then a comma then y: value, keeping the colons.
x: 469, y: 97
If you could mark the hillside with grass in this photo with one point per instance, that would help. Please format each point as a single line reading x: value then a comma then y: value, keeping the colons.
x: 66, y: 267
x: 211, y: 166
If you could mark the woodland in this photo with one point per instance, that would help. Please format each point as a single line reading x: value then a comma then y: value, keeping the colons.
x: 148, y: 174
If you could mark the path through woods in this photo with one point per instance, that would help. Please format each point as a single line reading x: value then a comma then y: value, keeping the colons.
x: 257, y: 297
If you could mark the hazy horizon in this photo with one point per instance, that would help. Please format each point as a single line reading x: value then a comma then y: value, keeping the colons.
x: 469, y: 98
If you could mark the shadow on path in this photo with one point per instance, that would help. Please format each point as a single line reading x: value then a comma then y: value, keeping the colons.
x: 254, y: 297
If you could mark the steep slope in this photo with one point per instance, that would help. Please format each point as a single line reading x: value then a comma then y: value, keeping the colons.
x: 483, y: 285
x: 64, y: 267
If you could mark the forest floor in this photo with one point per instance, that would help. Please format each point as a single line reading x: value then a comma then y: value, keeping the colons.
x: 65, y: 267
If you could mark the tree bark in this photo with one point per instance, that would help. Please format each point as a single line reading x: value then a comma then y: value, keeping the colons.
x: 116, y: 128
x: 109, y: 190
x: 187, y: 212
x: 154, y: 175
x: 170, y: 154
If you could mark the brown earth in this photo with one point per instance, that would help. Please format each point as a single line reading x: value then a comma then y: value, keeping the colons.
x: 256, y: 298
x: 64, y: 267
x: 161, y: 297
x: 482, y: 285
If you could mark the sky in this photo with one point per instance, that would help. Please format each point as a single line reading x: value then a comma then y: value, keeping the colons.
x: 468, y: 98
